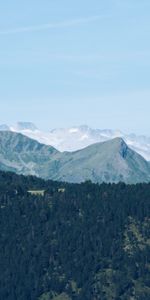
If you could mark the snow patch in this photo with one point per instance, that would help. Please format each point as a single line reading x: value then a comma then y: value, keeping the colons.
x: 73, y: 130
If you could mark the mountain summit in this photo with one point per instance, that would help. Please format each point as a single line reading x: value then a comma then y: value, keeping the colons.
x: 110, y: 161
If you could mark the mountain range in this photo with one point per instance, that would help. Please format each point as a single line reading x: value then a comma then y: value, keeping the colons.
x: 79, y: 137
x: 110, y: 161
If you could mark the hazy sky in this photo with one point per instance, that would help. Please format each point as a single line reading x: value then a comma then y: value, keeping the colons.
x: 66, y: 63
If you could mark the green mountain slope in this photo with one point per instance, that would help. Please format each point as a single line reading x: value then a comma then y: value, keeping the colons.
x: 23, y: 155
x: 111, y: 161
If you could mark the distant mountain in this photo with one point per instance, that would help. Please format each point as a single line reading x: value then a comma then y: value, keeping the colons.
x: 21, y: 126
x: 76, y: 138
x: 110, y: 161
x: 4, y: 127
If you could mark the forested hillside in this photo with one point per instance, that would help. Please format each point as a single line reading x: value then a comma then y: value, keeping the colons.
x: 78, y: 241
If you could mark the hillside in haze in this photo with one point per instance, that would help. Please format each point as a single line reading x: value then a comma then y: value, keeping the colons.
x: 79, y: 137
x: 88, y: 242
x: 110, y: 161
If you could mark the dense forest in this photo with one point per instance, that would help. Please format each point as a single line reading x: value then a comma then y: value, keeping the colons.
x: 78, y: 241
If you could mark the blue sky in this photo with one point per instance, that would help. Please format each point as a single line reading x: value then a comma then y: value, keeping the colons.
x: 66, y: 63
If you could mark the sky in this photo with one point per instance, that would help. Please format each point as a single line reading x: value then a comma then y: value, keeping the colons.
x: 66, y: 63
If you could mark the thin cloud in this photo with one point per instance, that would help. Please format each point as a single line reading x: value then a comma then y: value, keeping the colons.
x: 64, y: 24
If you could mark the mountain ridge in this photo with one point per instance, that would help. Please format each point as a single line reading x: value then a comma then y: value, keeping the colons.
x: 109, y: 161
x: 79, y: 137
